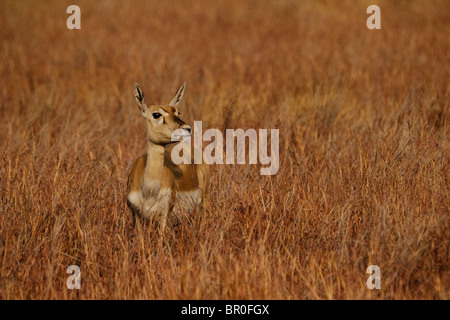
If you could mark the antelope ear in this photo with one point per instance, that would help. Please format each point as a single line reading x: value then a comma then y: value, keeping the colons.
x: 178, y: 96
x: 139, y: 95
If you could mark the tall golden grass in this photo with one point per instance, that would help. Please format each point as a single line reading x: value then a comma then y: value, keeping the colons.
x: 364, y: 148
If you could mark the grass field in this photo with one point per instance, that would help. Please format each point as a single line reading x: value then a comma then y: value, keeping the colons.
x: 364, y: 148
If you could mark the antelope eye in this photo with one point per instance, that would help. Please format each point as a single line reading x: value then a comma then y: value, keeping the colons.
x: 156, y: 115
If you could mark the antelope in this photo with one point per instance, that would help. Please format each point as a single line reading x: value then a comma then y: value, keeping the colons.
x: 158, y: 189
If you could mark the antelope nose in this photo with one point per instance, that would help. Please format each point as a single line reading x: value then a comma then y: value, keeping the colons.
x: 187, y: 128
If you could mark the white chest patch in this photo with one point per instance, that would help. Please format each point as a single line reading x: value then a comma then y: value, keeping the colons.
x: 186, y: 201
x: 157, y: 206
x: 151, y: 187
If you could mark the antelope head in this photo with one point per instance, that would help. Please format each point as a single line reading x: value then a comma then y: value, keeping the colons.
x: 163, y: 123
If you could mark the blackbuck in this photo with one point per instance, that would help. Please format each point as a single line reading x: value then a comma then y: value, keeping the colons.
x: 158, y: 189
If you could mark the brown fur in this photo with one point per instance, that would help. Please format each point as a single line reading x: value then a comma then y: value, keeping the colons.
x: 159, y: 170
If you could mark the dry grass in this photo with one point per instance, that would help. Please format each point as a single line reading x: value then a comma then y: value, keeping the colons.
x: 364, y: 148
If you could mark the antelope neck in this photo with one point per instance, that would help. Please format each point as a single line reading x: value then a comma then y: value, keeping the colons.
x: 155, y: 162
